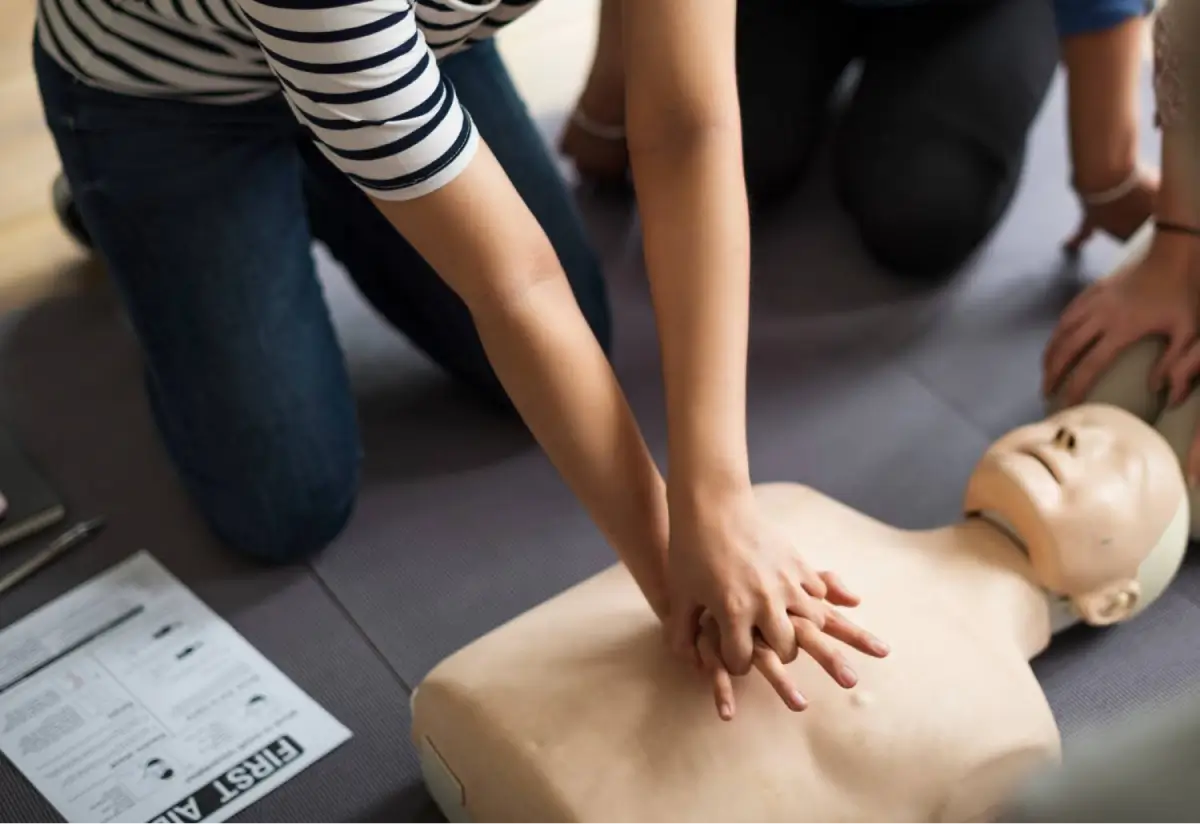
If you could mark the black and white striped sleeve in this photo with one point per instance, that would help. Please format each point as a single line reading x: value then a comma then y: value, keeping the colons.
x: 360, y: 76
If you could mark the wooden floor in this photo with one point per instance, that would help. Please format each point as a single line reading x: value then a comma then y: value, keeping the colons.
x: 36, y: 256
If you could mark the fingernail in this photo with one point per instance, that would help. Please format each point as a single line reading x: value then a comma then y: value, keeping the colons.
x: 726, y: 712
x: 879, y: 648
x: 799, y: 702
x: 846, y: 676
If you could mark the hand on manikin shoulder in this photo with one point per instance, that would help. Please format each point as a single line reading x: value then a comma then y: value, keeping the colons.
x: 1155, y: 295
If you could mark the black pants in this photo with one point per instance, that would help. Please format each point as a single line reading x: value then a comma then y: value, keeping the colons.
x: 929, y: 151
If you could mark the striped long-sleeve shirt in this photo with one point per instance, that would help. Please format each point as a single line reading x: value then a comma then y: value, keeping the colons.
x: 360, y: 75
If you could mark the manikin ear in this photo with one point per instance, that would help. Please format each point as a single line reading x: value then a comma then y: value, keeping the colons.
x: 1109, y: 605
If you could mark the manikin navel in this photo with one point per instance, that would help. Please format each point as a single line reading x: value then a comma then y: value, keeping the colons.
x: 574, y: 712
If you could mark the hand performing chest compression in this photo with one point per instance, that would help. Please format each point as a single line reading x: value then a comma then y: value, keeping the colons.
x: 757, y: 609
x: 819, y: 633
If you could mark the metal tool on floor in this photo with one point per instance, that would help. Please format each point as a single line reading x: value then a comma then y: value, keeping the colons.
x: 60, y: 546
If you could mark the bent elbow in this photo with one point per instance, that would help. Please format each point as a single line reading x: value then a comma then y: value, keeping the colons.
x: 508, y: 286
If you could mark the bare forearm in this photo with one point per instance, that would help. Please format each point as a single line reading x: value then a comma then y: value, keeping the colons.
x: 685, y: 150
x: 1103, y: 72
x: 1172, y: 252
x: 562, y: 384
x: 603, y: 98
x: 481, y: 238
x: 696, y: 235
x: 608, y: 59
x: 1175, y: 67
x: 1176, y: 199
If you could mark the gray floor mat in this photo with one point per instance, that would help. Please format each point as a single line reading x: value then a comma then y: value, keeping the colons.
x: 70, y: 388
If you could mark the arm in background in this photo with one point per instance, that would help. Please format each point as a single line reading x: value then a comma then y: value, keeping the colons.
x: 1102, y: 46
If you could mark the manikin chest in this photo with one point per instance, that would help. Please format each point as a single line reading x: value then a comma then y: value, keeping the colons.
x: 574, y: 712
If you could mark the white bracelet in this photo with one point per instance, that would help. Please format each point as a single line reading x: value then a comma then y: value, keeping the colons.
x: 1115, y: 193
x: 603, y: 131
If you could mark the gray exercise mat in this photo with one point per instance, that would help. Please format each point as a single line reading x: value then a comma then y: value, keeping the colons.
x: 70, y: 388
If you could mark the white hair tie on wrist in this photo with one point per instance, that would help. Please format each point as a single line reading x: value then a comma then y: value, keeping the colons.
x: 603, y: 131
x: 1115, y: 193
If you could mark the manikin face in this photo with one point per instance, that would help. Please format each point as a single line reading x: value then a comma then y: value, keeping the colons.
x: 1089, y: 491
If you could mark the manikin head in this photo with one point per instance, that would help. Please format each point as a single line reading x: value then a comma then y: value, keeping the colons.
x: 1098, y: 500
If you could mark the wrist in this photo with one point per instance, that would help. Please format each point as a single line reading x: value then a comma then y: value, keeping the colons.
x: 695, y: 489
x: 651, y: 579
x: 1103, y: 164
x: 658, y: 601
x: 1102, y: 180
x: 1173, y: 251
x: 1104, y: 69
x: 1175, y: 202
x: 643, y: 542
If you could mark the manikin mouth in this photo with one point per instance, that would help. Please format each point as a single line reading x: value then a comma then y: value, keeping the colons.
x: 1037, y: 456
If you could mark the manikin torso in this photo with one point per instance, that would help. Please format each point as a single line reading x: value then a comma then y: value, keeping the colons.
x: 576, y: 713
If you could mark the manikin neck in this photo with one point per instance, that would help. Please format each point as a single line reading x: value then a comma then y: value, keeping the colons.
x: 1002, y: 586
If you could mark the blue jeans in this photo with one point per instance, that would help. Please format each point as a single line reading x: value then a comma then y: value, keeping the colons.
x: 205, y: 216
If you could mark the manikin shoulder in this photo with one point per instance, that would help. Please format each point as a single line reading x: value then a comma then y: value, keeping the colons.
x: 791, y: 503
x: 1012, y: 734
x: 781, y: 494
x: 989, y: 786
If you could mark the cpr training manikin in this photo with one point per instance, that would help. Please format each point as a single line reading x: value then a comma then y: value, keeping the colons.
x: 572, y: 711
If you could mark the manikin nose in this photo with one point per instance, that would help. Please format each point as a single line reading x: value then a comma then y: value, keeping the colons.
x: 1065, y: 439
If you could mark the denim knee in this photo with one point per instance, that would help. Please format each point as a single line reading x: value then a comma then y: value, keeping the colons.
x: 279, y: 499
x: 924, y: 218
x: 287, y: 518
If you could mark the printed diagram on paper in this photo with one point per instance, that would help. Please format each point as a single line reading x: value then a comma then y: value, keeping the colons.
x: 128, y: 699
